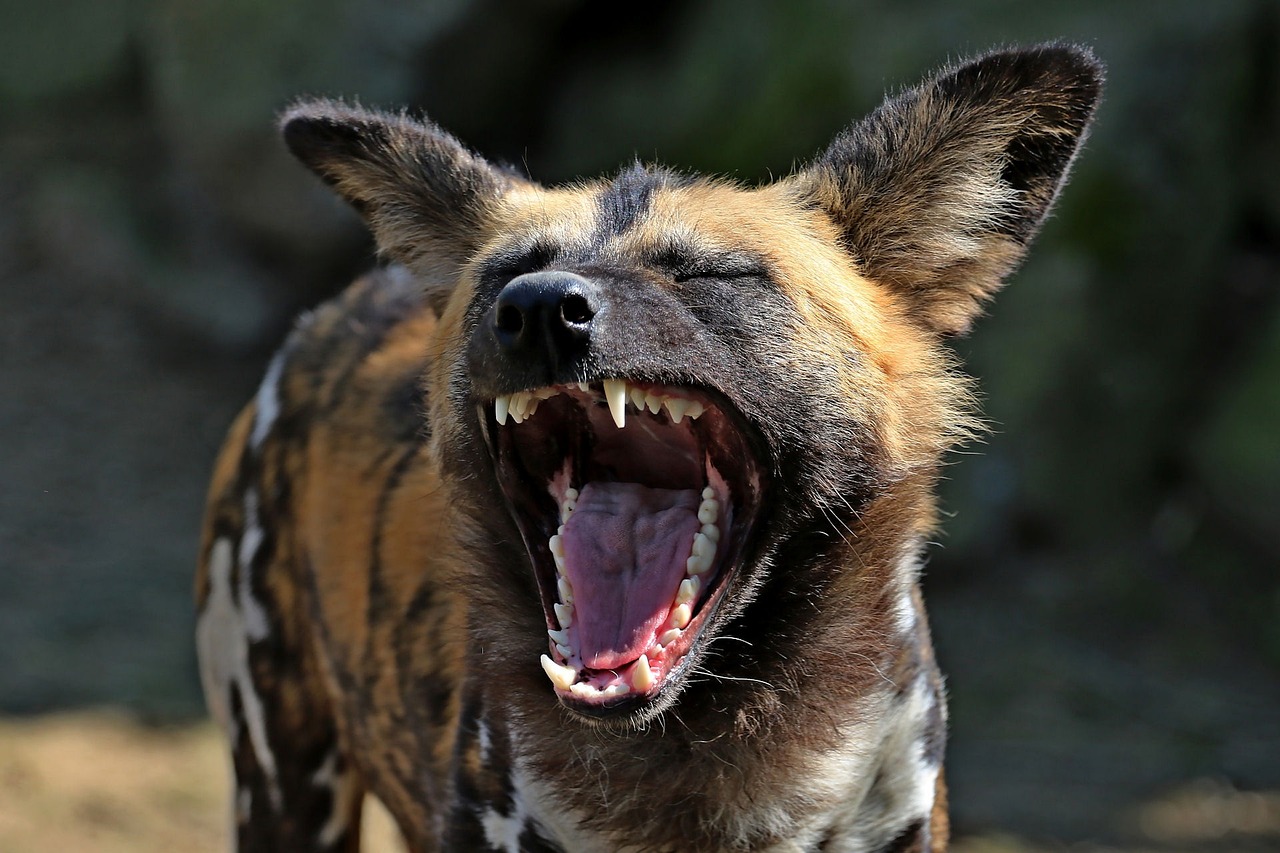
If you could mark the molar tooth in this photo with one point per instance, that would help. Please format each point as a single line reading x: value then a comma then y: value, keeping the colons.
x: 709, y: 511
x: 561, y: 676
x: 566, y: 591
x: 531, y: 406
x: 653, y: 402
x: 502, y: 405
x: 564, y: 614
x: 669, y: 637
x: 559, y: 558
x: 711, y: 532
x: 571, y: 494
x: 560, y: 638
x: 681, y: 615
x: 545, y: 393
x: 695, y: 409
x: 688, y: 590
x: 566, y: 510
x: 615, y: 394
x: 677, y: 407
x: 556, y: 544
x: 697, y: 565
x: 641, y: 675
x: 708, y: 494
x: 703, y: 546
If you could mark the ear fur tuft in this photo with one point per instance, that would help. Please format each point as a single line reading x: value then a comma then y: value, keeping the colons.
x: 940, y: 190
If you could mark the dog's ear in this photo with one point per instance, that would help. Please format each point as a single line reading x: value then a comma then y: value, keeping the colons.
x: 938, y: 192
x: 426, y: 197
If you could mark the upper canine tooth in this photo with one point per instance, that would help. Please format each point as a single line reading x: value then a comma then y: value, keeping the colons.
x: 561, y: 676
x: 502, y: 405
x: 615, y: 394
x: 641, y: 675
x: 677, y: 406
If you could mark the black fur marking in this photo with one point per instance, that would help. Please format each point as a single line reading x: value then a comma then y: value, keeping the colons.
x: 532, y: 842
x: 912, y: 840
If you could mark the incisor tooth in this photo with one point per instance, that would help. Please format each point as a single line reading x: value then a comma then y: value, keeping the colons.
x: 615, y: 394
x: 615, y: 690
x: 641, y: 675
x: 688, y: 590
x: 501, y: 406
x: 561, y: 676
x: 564, y: 614
x: 681, y: 615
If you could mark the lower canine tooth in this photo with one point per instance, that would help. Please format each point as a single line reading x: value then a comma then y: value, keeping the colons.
x: 641, y: 675
x: 561, y: 676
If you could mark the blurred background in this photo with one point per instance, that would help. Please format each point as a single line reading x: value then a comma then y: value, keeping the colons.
x: 1106, y: 596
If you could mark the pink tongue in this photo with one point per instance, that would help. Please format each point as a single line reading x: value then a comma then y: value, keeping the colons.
x: 625, y: 548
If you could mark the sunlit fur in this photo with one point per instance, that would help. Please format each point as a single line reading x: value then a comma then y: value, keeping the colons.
x: 403, y: 622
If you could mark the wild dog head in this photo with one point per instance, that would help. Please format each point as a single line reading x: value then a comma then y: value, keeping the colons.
x: 675, y: 409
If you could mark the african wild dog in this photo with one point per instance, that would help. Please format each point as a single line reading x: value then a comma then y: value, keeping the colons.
x: 596, y: 522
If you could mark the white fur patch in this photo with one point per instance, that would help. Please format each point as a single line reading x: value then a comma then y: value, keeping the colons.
x: 252, y: 611
x: 344, y: 792
x: 222, y: 640
x: 503, y: 833
x: 267, y: 401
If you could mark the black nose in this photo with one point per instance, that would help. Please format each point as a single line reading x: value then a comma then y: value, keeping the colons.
x: 545, y: 316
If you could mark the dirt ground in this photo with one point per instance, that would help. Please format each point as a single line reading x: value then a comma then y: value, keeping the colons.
x: 101, y: 781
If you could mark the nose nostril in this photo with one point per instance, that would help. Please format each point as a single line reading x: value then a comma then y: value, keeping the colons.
x: 576, y: 309
x: 510, y: 320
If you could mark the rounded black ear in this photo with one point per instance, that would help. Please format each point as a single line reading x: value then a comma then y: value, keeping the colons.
x: 940, y: 190
x: 425, y: 196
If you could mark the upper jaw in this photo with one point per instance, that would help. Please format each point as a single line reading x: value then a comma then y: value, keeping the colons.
x: 670, y: 469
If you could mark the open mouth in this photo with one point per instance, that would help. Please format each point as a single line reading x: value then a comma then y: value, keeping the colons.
x: 635, y: 501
